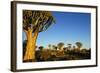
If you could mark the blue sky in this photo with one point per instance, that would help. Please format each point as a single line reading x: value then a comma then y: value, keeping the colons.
x: 70, y: 27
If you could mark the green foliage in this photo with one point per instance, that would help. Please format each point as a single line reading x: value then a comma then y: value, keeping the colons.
x: 79, y: 44
x: 54, y: 47
x: 49, y: 46
x: 41, y: 48
x: 40, y: 20
x: 57, y: 55
x: 65, y: 54
x: 69, y: 46
x: 60, y: 45
x: 45, y: 54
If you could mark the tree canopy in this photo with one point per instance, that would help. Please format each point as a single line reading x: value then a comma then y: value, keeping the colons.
x: 40, y: 20
x: 79, y: 44
x: 60, y: 45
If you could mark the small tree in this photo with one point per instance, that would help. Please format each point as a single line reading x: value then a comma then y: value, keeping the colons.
x: 60, y: 45
x: 54, y: 47
x: 65, y: 49
x: 41, y: 48
x: 69, y: 46
x: 74, y: 47
x: 79, y: 45
x: 49, y: 46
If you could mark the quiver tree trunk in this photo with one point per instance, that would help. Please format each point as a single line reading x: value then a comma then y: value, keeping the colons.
x: 34, y: 22
x: 31, y: 45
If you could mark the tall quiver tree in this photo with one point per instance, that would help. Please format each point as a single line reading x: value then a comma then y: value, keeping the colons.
x: 33, y: 23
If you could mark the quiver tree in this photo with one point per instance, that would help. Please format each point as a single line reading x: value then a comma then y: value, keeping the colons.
x: 41, y: 48
x: 60, y: 45
x: 79, y: 45
x: 69, y: 46
x: 54, y: 47
x: 49, y: 46
x: 33, y: 23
